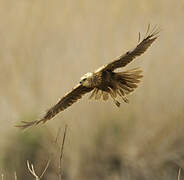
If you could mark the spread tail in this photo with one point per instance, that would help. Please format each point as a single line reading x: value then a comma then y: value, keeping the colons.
x: 126, y: 82
x: 123, y: 83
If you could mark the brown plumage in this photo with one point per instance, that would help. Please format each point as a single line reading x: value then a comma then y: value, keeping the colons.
x: 104, y: 82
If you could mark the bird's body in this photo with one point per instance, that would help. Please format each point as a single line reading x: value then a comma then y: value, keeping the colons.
x: 104, y: 82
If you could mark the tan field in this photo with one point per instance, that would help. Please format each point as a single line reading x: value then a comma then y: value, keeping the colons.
x: 46, y: 46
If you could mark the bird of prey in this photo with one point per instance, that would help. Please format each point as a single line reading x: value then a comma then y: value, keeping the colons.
x: 104, y: 82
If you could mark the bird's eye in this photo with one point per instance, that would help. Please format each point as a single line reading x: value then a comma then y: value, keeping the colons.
x: 83, y: 80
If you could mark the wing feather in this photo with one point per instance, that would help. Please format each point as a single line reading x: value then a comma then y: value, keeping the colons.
x: 75, y: 94
x: 126, y: 58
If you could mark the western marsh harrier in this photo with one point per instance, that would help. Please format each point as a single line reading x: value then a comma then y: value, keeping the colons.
x: 105, y: 82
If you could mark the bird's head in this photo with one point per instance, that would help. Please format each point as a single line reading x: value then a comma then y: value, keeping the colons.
x: 86, y: 80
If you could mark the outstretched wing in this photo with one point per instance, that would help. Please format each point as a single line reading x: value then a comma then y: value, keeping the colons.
x: 126, y: 58
x: 70, y: 98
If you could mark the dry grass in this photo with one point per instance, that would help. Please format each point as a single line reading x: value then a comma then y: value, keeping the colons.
x: 31, y: 167
x: 46, y: 47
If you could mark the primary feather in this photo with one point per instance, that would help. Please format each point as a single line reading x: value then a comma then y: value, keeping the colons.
x: 70, y: 98
x: 126, y: 58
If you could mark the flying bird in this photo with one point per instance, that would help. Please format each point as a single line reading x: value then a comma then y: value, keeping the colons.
x: 104, y: 82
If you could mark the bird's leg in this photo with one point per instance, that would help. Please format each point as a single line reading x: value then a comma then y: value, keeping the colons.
x: 116, y: 102
x: 113, y: 94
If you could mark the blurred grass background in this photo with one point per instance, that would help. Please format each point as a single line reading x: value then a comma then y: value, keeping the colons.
x: 46, y: 46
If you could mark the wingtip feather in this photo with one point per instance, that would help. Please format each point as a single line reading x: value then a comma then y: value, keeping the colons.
x: 28, y: 124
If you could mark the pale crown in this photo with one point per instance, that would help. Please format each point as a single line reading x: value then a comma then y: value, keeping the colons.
x: 86, y: 79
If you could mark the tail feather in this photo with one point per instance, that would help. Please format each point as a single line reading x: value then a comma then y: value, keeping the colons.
x: 93, y: 94
x: 122, y: 92
x: 105, y: 96
x: 112, y: 92
x: 131, y: 85
x: 126, y: 88
x: 127, y: 81
x: 98, y: 94
x: 124, y: 83
x: 130, y: 80
x: 122, y: 95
